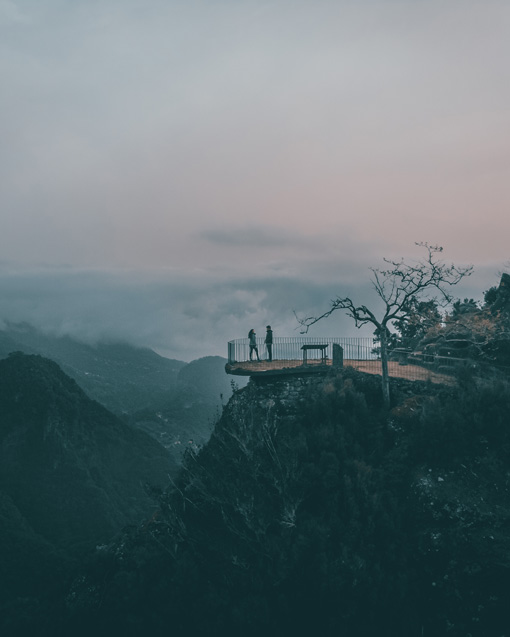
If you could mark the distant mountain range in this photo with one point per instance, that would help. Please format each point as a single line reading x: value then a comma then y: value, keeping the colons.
x: 186, y: 418
x: 121, y: 377
x: 175, y: 402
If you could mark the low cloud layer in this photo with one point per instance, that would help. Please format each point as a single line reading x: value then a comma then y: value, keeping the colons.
x: 253, y: 236
x: 187, y: 315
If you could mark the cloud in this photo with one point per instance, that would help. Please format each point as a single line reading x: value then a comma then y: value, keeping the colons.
x: 180, y: 314
x: 10, y: 13
x: 257, y: 237
x: 205, y: 166
x: 130, y: 129
x: 186, y: 315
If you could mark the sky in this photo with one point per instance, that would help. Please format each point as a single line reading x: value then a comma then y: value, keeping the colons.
x: 174, y: 173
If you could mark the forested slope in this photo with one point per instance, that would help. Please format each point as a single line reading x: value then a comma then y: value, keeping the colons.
x: 71, y: 476
x: 314, y: 511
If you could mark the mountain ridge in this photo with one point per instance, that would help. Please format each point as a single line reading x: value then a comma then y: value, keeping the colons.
x: 71, y: 467
x: 121, y: 376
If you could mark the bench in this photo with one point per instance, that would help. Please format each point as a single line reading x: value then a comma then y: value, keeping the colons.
x: 320, y: 347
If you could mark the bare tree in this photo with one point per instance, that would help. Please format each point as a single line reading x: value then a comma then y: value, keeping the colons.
x: 400, y: 285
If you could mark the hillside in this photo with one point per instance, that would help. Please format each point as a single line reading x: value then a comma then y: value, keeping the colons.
x: 71, y: 472
x: 121, y: 377
x: 71, y: 476
x: 313, y: 511
x: 185, y: 418
x: 176, y: 403
x: 207, y: 375
x: 72, y: 468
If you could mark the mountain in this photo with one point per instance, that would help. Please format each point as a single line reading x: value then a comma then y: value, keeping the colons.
x: 71, y: 476
x: 121, y: 377
x: 72, y: 470
x: 314, y: 510
x: 186, y: 418
x: 177, y: 403
x: 208, y: 378
x: 31, y: 567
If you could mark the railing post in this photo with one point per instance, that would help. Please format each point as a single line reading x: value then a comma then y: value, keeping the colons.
x: 338, y: 355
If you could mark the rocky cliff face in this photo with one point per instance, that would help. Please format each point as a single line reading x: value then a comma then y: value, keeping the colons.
x: 312, y: 510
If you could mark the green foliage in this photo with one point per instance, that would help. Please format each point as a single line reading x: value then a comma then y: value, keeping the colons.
x: 422, y: 316
x: 490, y: 296
x: 464, y: 428
x: 460, y: 308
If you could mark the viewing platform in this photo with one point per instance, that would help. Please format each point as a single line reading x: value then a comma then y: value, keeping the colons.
x: 295, y: 355
x: 317, y: 355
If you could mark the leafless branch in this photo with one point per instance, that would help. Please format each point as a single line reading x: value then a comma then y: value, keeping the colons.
x: 399, y: 286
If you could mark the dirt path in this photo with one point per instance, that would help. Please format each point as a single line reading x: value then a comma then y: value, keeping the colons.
x: 395, y: 370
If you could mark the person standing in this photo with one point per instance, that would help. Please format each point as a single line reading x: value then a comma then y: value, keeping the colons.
x: 269, y: 343
x: 253, y: 344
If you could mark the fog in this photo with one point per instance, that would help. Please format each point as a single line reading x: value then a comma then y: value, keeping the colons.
x: 187, y: 315
x: 176, y: 173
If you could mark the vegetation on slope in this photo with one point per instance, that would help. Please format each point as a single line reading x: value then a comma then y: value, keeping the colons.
x: 121, y: 377
x: 324, y: 516
x: 71, y: 476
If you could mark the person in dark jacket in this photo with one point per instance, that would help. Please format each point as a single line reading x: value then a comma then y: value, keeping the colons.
x: 253, y: 344
x: 269, y: 343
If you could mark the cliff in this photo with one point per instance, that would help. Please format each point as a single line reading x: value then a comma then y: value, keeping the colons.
x: 313, y: 510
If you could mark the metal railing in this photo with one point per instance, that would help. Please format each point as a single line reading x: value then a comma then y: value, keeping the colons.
x: 289, y: 348
x: 452, y: 364
x: 360, y: 353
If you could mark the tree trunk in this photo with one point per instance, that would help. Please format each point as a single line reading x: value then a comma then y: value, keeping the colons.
x: 384, y: 364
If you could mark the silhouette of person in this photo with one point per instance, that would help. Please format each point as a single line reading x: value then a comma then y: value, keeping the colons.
x: 253, y: 344
x: 269, y: 343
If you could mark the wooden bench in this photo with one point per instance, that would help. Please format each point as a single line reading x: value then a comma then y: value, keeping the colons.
x: 321, y: 347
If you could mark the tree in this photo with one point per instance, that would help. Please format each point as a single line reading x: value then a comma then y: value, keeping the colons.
x: 402, y: 287
x: 423, y: 316
x: 490, y: 296
x: 467, y: 306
